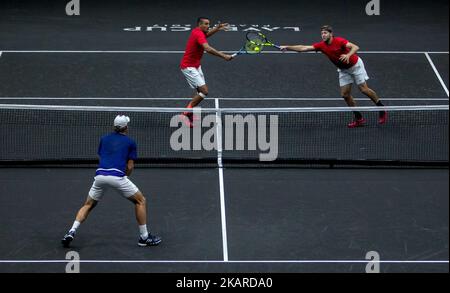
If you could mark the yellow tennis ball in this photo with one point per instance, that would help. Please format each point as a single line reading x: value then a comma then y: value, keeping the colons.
x: 256, y: 48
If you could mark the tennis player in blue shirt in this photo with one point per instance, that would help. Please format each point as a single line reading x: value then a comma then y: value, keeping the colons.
x: 117, y: 154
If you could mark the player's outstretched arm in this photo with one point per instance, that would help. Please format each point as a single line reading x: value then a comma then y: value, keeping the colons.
x: 298, y: 48
x: 214, y: 52
x: 218, y: 27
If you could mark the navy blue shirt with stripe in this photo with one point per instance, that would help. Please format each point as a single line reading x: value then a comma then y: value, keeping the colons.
x: 115, y: 150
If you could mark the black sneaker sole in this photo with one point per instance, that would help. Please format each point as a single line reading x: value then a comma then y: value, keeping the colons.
x: 66, y: 242
x: 152, y: 244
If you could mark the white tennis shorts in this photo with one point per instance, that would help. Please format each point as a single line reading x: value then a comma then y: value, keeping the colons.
x: 123, y: 185
x: 194, y: 76
x: 356, y: 74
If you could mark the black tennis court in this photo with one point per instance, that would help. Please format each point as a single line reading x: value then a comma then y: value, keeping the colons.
x: 281, y: 215
x: 334, y: 196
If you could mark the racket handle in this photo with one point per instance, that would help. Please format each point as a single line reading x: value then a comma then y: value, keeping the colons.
x: 234, y: 55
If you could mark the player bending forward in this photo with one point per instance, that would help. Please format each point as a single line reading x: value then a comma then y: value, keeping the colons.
x: 350, y: 67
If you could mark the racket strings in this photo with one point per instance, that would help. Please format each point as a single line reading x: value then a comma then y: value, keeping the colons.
x: 254, y: 44
x: 253, y: 47
x: 255, y: 38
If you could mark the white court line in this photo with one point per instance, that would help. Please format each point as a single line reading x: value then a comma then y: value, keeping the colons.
x: 1, y: 53
x: 230, y: 99
x: 438, y: 75
x: 221, y: 181
x: 235, y: 261
x: 182, y: 52
x: 219, y: 132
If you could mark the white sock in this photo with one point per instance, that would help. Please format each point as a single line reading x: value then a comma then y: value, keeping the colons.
x: 143, y: 231
x: 75, y: 226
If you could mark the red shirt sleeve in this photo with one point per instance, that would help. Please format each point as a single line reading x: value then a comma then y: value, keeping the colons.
x: 318, y: 46
x: 342, y: 42
x: 201, y: 38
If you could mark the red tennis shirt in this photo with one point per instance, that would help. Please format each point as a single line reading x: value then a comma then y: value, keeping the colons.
x: 335, y: 50
x: 194, y: 49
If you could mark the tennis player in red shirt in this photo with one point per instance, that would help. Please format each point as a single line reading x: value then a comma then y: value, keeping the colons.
x: 350, y: 67
x: 191, y: 62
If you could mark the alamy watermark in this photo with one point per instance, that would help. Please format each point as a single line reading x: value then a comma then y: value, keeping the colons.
x: 373, y: 8
x: 73, y: 8
x: 373, y: 266
x: 73, y: 264
x: 241, y: 133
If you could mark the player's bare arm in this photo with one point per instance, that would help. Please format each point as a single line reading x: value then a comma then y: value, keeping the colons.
x: 215, y: 52
x: 353, y: 49
x: 130, y: 167
x: 217, y: 28
x: 297, y: 48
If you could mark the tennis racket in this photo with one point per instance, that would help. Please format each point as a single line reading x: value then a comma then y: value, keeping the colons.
x: 254, y: 44
x: 251, y: 46
x: 261, y: 38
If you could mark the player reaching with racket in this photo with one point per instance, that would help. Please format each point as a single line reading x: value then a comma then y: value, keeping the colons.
x: 191, y: 62
x: 350, y: 67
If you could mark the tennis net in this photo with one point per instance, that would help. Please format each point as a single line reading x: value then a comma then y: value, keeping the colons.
x: 69, y: 135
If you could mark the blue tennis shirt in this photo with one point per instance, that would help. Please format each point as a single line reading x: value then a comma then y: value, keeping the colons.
x: 115, y: 150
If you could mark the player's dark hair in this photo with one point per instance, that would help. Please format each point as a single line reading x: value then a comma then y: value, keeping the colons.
x: 327, y: 28
x: 201, y: 18
x: 119, y: 129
